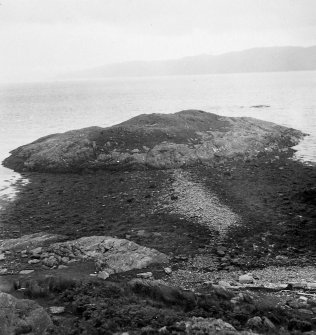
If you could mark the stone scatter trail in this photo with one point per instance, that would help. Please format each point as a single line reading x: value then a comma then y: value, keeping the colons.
x: 193, y: 201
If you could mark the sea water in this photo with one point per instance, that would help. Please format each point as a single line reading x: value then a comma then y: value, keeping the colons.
x: 31, y: 110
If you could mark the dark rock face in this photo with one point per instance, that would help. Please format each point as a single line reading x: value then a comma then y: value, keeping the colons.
x: 155, y: 141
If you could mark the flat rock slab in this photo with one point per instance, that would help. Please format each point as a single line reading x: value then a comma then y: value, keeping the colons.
x: 21, y: 316
x: 110, y: 254
x: 29, y: 241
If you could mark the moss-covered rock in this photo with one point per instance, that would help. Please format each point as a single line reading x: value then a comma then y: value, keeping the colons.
x: 152, y: 140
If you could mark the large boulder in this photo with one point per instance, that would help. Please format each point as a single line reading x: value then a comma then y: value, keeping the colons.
x: 154, y: 141
x: 110, y: 254
x: 22, y: 316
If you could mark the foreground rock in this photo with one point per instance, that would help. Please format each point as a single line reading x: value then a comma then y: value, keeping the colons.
x: 22, y: 316
x: 155, y: 141
x: 111, y: 255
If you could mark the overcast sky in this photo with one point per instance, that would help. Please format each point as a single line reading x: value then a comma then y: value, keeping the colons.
x: 40, y: 38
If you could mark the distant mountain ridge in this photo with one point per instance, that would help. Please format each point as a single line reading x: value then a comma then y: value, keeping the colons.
x: 272, y: 59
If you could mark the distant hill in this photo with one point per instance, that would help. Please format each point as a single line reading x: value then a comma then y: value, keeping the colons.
x: 251, y: 60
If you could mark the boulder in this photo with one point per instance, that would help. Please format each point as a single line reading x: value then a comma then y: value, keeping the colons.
x: 110, y: 254
x: 7, y: 285
x: 254, y: 323
x: 198, y: 325
x: 246, y: 279
x: 155, y: 141
x: 31, y: 241
x: 21, y: 316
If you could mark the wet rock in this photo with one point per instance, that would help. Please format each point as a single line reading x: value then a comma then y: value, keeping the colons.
x: 21, y: 316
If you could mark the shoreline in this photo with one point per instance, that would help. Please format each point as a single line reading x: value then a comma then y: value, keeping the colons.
x: 141, y: 190
x: 267, y: 204
x: 138, y: 206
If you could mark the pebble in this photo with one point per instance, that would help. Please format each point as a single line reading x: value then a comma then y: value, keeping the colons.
x: 61, y: 266
x: 2, y: 257
x: 25, y: 272
x: 56, y: 309
x: 103, y: 275
x: 37, y: 250
x: 268, y: 324
x: 246, y: 279
x: 254, y: 323
x: 168, y: 270
x: 302, y: 298
x: 145, y: 275
x: 224, y: 283
x: 3, y: 271
x: 65, y: 259
x: 51, y: 261
x: 33, y: 261
x: 304, y: 311
x: 311, y: 286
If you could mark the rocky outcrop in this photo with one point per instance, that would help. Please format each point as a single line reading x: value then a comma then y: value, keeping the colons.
x: 111, y: 255
x: 154, y: 141
x: 22, y: 316
x: 29, y: 241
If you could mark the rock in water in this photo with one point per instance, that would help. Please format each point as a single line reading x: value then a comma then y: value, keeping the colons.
x: 22, y: 316
x: 152, y: 140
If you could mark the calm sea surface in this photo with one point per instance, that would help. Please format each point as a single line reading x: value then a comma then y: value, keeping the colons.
x: 29, y: 111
